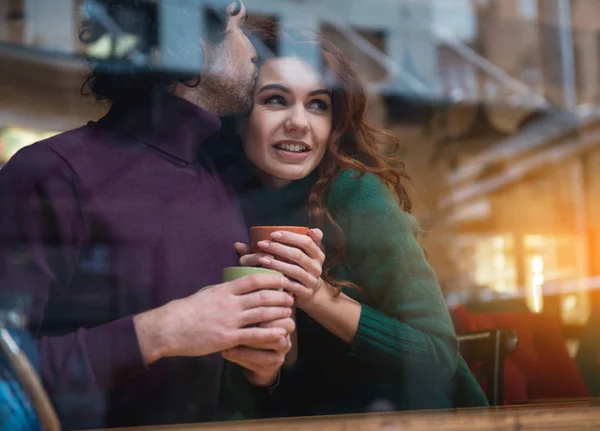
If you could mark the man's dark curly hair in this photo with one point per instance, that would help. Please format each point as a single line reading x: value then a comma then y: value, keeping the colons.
x: 122, y: 79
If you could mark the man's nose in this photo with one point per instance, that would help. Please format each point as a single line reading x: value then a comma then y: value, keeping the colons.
x: 252, y: 49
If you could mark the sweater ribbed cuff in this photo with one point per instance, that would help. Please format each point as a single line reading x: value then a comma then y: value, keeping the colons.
x: 113, y: 352
x: 374, y: 335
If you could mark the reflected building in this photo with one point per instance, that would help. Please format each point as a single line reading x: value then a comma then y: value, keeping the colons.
x: 520, y: 200
x: 495, y: 103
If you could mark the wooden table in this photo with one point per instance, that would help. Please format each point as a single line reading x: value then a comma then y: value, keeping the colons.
x: 564, y: 416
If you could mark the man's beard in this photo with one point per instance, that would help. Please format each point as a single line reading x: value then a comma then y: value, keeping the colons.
x: 245, y: 102
x: 230, y: 92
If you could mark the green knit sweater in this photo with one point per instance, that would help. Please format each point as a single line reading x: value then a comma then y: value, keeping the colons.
x: 405, y: 352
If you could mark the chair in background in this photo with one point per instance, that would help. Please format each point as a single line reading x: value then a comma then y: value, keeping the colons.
x: 540, y: 367
x: 485, y: 351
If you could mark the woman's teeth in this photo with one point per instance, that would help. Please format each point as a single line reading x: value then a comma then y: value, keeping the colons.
x: 294, y: 148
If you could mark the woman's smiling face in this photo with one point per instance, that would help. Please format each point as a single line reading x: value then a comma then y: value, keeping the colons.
x: 288, y: 130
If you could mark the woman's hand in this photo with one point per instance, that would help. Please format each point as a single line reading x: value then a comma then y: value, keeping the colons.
x: 299, y: 257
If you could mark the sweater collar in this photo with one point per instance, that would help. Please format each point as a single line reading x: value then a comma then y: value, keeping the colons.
x: 172, y: 125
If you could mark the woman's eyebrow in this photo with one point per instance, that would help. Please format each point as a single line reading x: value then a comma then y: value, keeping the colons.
x: 274, y: 87
x: 319, y: 91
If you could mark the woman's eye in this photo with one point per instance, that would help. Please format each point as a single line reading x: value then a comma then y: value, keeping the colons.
x: 275, y: 100
x: 319, y: 105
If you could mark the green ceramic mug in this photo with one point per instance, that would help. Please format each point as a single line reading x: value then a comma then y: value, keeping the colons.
x: 234, y: 272
x: 231, y: 273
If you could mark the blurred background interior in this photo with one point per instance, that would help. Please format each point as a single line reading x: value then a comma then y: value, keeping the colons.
x: 497, y: 104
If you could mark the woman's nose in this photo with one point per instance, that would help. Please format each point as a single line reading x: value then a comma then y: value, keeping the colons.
x: 297, y: 120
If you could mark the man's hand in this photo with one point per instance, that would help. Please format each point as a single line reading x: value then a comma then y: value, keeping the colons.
x: 219, y: 318
x: 262, y: 363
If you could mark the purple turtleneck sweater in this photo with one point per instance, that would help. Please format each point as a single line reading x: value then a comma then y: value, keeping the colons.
x: 101, y: 223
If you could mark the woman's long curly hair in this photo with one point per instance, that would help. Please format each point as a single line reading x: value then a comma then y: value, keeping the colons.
x: 353, y: 144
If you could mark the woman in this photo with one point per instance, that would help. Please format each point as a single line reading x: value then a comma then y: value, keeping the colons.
x: 385, y: 341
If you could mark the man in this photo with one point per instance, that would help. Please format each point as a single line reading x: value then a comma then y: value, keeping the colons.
x: 112, y: 229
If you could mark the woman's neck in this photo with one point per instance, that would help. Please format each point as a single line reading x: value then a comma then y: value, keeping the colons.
x: 272, y: 182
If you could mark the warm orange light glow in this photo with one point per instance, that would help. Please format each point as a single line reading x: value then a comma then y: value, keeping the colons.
x: 537, y: 281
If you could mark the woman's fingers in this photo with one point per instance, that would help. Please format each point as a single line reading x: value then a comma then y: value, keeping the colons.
x: 317, y: 236
x: 292, y: 271
x: 241, y: 249
x: 294, y: 255
x: 306, y: 243
x: 253, y: 259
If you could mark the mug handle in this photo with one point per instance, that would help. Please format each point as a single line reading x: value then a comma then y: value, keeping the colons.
x: 30, y: 381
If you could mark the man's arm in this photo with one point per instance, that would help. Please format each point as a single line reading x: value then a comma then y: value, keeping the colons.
x: 41, y: 234
x: 219, y: 319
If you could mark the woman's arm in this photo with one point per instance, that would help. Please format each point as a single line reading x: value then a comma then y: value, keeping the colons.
x: 339, y: 315
x: 406, y: 321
